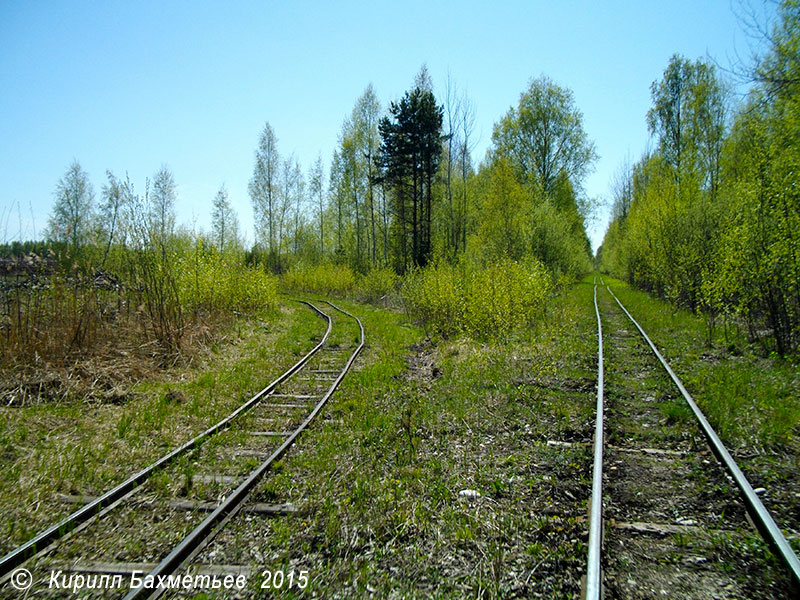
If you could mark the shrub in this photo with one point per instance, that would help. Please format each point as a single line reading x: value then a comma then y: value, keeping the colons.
x: 434, y: 296
x: 377, y: 285
x: 214, y: 281
x: 331, y: 279
x: 504, y: 296
x: 484, y: 302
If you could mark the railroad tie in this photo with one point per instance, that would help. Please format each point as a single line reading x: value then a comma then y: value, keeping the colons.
x: 259, y: 508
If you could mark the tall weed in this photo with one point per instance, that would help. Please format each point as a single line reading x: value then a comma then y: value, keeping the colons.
x: 52, y: 309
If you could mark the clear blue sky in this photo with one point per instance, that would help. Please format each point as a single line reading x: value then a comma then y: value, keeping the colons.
x: 129, y: 86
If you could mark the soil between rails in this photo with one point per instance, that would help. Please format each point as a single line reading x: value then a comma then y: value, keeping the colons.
x: 702, y: 544
x: 376, y: 485
x: 432, y: 476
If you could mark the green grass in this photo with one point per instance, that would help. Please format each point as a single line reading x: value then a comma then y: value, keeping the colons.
x: 87, y: 448
x: 752, y: 402
x: 380, y: 495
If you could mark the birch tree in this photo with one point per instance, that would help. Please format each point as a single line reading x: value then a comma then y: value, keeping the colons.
x: 224, y: 223
x: 162, y: 205
x: 115, y: 194
x: 317, y: 196
x: 263, y: 189
x: 73, y: 209
x: 543, y: 137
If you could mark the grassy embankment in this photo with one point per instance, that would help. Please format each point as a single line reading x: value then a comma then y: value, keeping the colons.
x: 753, y: 402
x: 71, y: 446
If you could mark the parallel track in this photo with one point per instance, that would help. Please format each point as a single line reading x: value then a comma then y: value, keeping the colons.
x: 763, y: 521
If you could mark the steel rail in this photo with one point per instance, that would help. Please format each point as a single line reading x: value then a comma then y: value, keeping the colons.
x: 594, y: 583
x: 761, y: 517
x: 19, y: 555
x: 213, y: 523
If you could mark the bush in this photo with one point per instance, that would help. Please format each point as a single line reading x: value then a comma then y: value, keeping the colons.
x: 215, y: 281
x: 377, y: 285
x: 482, y: 302
x: 435, y: 297
x: 336, y: 280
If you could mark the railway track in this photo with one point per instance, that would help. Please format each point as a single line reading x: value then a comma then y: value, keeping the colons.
x: 162, y: 517
x: 662, y: 499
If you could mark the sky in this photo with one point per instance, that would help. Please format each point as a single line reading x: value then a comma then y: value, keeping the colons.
x: 131, y: 86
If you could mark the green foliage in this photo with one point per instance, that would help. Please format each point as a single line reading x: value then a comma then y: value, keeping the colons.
x: 217, y: 281
x: 520, y: 221
x: 688, y: 115
x: 224, y: 222
x: 73, y: 210
x: 506, y: 208
x: 558, y: 242
x: 328, y: 278
x: 411, y: 148
x: 377, y: 285
x: 434, y: 296
x: 544, y: 137
x: 484, y: 302
x: 713, y: 218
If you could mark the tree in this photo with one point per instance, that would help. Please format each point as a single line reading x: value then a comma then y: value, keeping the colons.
x: 757, y: 272
x: 503, y: 230
x: 316, y: 194
x: 73, y: 209
x: 466, y: 128
x: 622, y: 191
x: 337, y: 191
x: 352, y: 181
x: 365, y: 120
x: 777, y: 72
x: 452, y: 114
x: 263, y: 189
x: 292, y: 186
x: 356, y: 175
x: 544, y: 137
x: 411, y: 147
x: 688, y: 116
x: 710, y: 219
x: 115, y: 195
x: 224, y: 223
x: 162, y: 205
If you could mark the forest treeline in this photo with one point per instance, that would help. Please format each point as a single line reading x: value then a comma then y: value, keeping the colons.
x: 403, y: 191
x: 710, y: 218
x: 402, y: 211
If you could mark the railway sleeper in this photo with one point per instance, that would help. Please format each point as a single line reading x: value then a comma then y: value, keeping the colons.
x: 259, y: 508
x: 647, y: 451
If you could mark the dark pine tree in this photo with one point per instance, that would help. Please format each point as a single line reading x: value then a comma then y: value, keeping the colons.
x: 411, y: 147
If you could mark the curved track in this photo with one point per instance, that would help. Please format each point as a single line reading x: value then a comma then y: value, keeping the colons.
x: 211, y: 525
x: 110, y: 514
